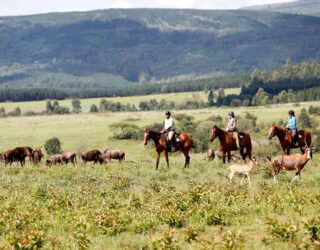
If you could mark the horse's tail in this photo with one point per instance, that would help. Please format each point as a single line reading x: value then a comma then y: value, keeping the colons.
x: 248, y: 146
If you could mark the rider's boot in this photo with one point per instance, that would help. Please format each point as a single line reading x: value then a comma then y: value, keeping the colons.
x: 172, y: 142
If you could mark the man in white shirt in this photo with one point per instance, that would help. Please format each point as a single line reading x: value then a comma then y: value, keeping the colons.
x: 169, y: 127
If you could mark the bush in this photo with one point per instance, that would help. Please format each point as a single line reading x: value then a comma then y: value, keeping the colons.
x: 186, y: 123
x: 201, y: 136
x: 157, y: 126
x: 285, y: 231
x: 304, y: 119
x: 2, y: 112
x: 52, y: 146
x: 94, y: 109
x: 15, y: 112
x: 76, y: 105
x: 126, y: 131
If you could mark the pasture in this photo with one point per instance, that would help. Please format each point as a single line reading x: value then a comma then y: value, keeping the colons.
x: 131, y: 206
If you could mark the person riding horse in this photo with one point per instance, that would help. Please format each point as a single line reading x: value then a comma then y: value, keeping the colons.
x: 292, y: 126
x: 169, y: 127
x: 232, y: 128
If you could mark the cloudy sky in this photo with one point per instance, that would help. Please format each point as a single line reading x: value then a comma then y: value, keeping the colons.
x: 22, y: 7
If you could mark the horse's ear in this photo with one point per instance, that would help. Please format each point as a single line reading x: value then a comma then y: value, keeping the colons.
x: 215, y: 126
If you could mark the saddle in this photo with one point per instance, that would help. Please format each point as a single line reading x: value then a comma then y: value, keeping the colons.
x: 165, y: 136
x: 240, y: 134
x: 295, y: 139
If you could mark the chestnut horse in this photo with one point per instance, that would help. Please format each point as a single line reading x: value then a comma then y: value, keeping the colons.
x: 285, y: 138
x: 228, y: 144
x: 160, y: 141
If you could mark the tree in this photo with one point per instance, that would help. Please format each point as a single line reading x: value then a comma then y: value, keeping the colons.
x: 2, y: 112
x: 260, y: 98
x: 143, y: 105
x: 76, y: 105
x: 49, y: 107
x: 304, y: 119
x: 94, y: 109
x: 283, y: 97
x: 52, y: 146
x: 210, y: 98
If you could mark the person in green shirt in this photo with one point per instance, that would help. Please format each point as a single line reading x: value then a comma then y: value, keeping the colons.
x: 292, y: 126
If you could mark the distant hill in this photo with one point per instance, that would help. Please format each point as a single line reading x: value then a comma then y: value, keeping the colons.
x: 109, y: 48
x: 301, y: 7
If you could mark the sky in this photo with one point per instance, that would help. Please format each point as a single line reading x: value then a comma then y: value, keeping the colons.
x: 25, y: 7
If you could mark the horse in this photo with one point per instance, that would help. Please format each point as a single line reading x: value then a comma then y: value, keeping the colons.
x: 228, y: 144
x: 286, y: 141
x: 184, y: 144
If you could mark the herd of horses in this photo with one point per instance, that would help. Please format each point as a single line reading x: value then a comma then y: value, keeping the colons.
x: 184, y: 142
x: 19, y: 154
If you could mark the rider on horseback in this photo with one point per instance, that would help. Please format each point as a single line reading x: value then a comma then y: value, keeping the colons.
x: 169, y: 127
x: 292, y: 126
x: 232, y: 128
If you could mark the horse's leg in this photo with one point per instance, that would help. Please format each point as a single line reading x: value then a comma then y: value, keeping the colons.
x: 157, y: 161
x: 288, y: 151
x: 187, y: 157
x: 167, y: 159
x: 223, y: 157
x: 301, y: 149
x: 242, y: 153
x: 229, y: 156
x: 275, y: 173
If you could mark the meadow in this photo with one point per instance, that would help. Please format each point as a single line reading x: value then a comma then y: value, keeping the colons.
x: 129, y: 205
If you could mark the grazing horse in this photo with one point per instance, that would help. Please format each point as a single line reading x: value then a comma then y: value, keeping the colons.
x: 286, y: 141
x: 17, y: 154
x: 228, y: 144
x: 161, y: 143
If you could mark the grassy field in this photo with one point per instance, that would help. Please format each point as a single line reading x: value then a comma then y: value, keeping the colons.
x: 131, y: 206
x: 178, y: 98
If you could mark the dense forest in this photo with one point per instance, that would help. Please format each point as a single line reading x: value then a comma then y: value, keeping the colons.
x: 33, y: 94
x: 288, y: 83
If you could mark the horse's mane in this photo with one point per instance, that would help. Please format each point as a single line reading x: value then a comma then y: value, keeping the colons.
x: 219, y: 129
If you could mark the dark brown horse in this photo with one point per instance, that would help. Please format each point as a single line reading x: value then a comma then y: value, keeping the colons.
x: 161, y: 143
x: 286, y: 141
x: 228, y: 144
x: 17, y: 154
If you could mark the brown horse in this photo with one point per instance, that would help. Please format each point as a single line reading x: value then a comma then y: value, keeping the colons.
x: 228, y: 144
x: 161, y: 143
x: 286, y: 141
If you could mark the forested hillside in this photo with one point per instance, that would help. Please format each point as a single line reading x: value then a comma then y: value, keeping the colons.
x: 107, y: 48
x: 301, y: 7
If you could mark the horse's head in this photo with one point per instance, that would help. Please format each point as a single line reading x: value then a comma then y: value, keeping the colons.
x: 146, y: 136
x: 213, y: 133
x: 28, y: 151
x: 272, y: 131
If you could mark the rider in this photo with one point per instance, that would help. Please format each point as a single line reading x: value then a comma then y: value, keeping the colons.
x: 232, y: 127
x: 292, y: 126
x: 169, y: 127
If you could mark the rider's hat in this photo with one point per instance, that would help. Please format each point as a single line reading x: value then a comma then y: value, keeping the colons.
x: 168, y: 113
x: 231, y: 113
x: 291, y: 112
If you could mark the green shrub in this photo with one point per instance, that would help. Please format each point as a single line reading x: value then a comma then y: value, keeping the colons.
x: 94, y: 109
x: 15, y: 112
x: 285, y: 231
x: 52, y: 146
